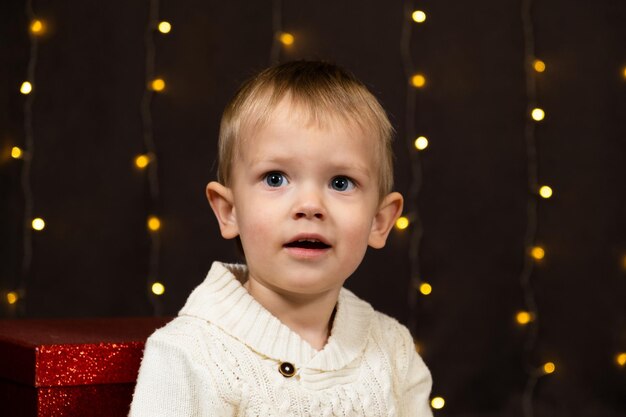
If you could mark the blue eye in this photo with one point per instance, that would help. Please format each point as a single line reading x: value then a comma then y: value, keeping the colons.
x: 342, y: 184
x: 275, y: 179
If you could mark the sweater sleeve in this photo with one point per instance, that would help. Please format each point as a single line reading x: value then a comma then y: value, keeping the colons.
x: 417, y: 382
x: 169, y: 382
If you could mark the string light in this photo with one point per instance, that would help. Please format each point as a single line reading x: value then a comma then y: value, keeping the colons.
x: 418, y: 80
x: 539, y: 65
x: 545, y: 191
x: 26, y: 88
x: 142, y: 161
x: 538, y: 114
x: 12, y: 297
x: 402, y: 223
x: 164, y: 27
x: 38, y: 224
x: 158, y: 288
x: 426, y: 288
x: 418, y: 16
x: 148, y: 161
x: 35, y: 28
x: 16, y: 152
x: 549, y: 368
x: 158, y: 85
x: 154, y: 223
x: 413, y: 81
x: 620, y: 358
x: 286, y: 38
x: 535, y: 253
x: 437, y: 403
x: 421, y: 143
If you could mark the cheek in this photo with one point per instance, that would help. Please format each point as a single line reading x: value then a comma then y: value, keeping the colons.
x: 255, y: 226
x: 356, y: 231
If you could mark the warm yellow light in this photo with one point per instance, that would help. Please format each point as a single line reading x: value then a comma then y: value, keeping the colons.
x: 621, y: 359
x: 165, y: 27
x: 426, y: 288
x: 37, y: 27
x: 26, y: 88
x: 286, y: 38
x: 421, y: 143
x: 539, y: 65
x: 437, y: 403
x: 624, y: 72
x: 418, y: 80
x: 624, y: 262
x: 158, y: 84
x: 402, y: 223
x: 523, y: 317
x: 538, y: 114
x: 419, y: 16
x: 158, y: 288
x: 537, y: 252
x: 16, y: 152
x: 142, y: 161
x: 154, y: 223
x: 38, y: 223
x: 545, y: 191
x: 12, y: 297
x: 549, y: 368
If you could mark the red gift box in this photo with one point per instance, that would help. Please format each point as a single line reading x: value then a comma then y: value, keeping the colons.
x: 71, y: 368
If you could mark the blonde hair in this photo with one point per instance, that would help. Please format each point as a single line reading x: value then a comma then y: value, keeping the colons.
x: 322, y: 92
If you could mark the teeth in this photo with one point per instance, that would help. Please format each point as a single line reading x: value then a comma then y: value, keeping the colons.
x: 308, y: 243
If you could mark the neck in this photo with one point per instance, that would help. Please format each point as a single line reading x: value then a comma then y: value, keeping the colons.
x: 309, y: 316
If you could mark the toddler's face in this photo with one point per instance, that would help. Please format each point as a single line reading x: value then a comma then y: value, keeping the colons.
x: 305, y: 200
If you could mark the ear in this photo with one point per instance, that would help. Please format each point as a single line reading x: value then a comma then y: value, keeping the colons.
x: 221, y: 201
x: 388, y: 212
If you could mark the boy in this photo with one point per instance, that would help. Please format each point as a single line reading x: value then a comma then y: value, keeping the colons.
x: 305, y: 176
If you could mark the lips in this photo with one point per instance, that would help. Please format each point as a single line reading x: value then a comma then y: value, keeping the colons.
x: 308, y: 242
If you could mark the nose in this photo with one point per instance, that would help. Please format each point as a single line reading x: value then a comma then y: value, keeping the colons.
x: 309, y: 204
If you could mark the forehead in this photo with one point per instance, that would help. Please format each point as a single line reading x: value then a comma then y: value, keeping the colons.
x: 289, y: 121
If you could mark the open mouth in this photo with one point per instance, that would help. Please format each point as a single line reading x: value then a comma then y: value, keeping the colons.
x: 307, y: 244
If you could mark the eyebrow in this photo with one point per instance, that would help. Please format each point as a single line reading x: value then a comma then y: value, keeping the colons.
x: 336, y: 165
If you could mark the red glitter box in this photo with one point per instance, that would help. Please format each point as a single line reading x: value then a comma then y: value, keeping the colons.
x: 71, y: 368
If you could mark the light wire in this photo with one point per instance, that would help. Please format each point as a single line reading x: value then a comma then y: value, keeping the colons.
x: 531, y: 209
x: 416, y: 175
x: 151, y: 150
x: 28, y: 155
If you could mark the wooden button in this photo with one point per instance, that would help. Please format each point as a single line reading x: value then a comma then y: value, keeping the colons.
x: 287, y: 370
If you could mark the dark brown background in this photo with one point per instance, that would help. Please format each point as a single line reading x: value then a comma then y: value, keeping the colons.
x: 92, y: 258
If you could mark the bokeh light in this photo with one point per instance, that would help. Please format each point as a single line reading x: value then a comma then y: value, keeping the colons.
x: 418, y: 80
x: 418, y: 16
x: 38, y: 223
x: 437, y: 403
x: 158, y: 288
x: 538, y: 114
x: 164, y: 27
x: 402, y: 223
x: 421, y: 143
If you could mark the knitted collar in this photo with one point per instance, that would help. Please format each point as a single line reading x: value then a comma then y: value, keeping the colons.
x: 222, y: 300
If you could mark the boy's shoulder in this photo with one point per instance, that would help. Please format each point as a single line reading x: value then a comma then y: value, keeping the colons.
x: 180, y: 331
x: 383, y: 326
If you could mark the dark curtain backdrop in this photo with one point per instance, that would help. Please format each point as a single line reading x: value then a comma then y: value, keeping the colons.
x: 91, y: 260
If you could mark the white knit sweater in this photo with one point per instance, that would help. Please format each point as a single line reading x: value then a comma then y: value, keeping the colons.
x: 220, y: 357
